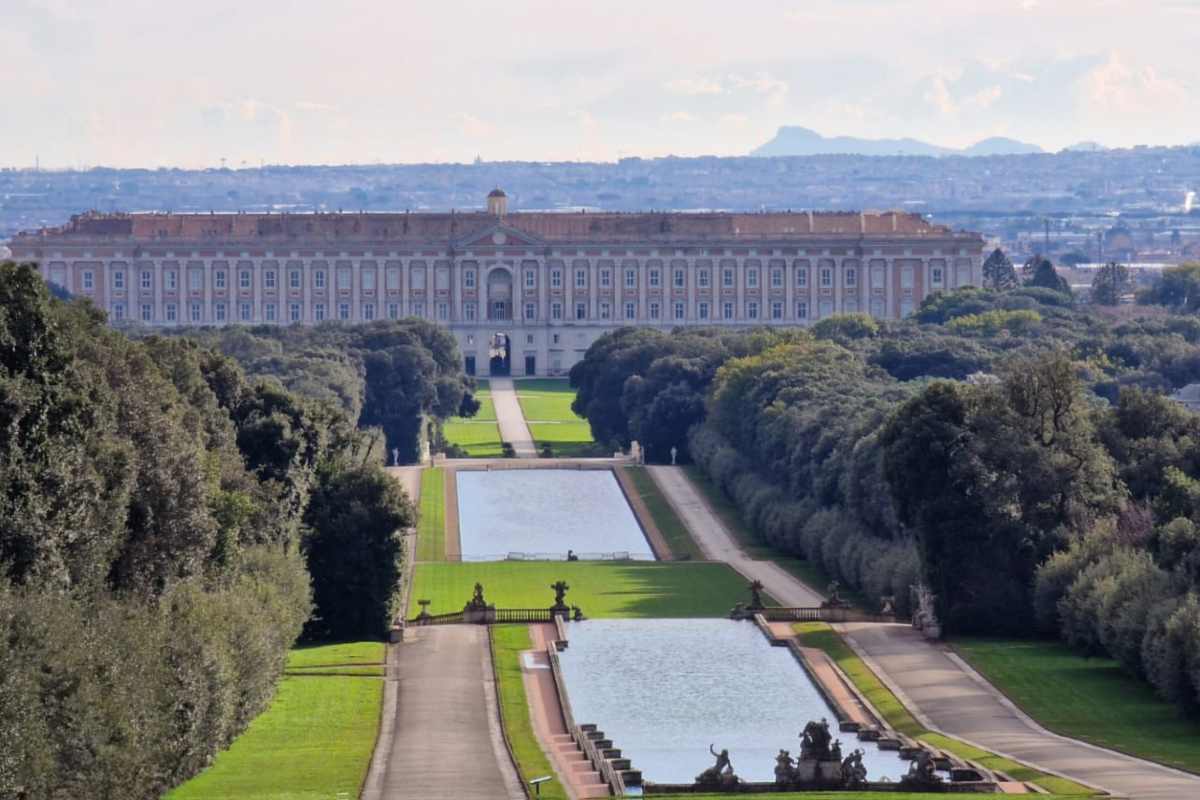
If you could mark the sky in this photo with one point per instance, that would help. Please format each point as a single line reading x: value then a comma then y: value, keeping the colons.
x: 200, y: 84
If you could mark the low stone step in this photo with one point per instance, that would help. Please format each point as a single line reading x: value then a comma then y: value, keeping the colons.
x: 592, y: 790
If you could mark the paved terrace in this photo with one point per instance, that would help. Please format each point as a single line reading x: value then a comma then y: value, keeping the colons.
x: 942, y: 691
x: 510, y: 418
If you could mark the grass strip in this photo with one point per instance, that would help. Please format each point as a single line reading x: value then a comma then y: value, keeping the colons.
x: 603, y: 589
x: 507, y: 643
x: 678, y: 538
x: 431, y: 523
x: 314, y: 741
x: 1091, y: 699
x: 827, y: 796
x: 821, y: 636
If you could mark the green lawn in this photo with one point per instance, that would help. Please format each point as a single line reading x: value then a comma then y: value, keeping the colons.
x: 826, y: 796
x: 672, y: 528
x: 315, y: 740
x: 822, y: 637
x: 1086, y: 698
x: 600, y: 588
x: 431, y: 523
x: 507, y: 643
x: 546, y: 404
x: 478, y: 435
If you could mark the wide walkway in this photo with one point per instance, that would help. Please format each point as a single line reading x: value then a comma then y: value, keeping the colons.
x: 935, y: 684
x: 444, y: 742
x: 510, y: 418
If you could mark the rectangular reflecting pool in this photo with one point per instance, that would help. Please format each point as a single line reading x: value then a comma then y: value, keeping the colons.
x: 664, y: 690
x: 543, y: 513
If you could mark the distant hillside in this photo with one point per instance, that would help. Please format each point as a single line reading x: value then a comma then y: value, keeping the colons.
x: 797, y: 141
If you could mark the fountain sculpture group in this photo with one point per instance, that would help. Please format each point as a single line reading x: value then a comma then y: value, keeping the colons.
x: 820, y: 766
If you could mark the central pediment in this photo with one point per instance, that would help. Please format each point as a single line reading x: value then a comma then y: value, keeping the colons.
x: 498, y: 235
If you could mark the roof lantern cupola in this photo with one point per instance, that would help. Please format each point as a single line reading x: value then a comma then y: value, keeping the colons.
x: 497, y: 202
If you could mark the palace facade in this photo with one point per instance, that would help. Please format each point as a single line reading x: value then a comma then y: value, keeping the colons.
x: 523, y: 292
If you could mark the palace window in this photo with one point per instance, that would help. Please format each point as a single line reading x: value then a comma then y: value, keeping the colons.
x: 88, y: 280
x: 319, y: 312
x: 630, y: 279
x: 469, y: 279
x: 752, y: 278
x: 197, y: 312
x: 631, y: 311
x: 530, y: 311
x: 556, y: 279
x: 147, y: 313
x: 752, y: 310
x: 680, y: 281
x: 443, y: 311
x: 170, y: 278
x: 556, y: 311
x: 269, y: 312
x: 702, y: 279
x: 776, y: 279
x: 343, y: 279
x: 219, y: 312
x: 530, y: 279
x: 118, y: 311
x: 195, y: 280
x: 581, y: 311
x: 269, y: 279
x: 243, y: 279
x: 605, y: 278
x: 294, y: 279
x: 171, y: 312
x: 776, y: 310
x: 727, y: 310
x: 119, y: 279
x: 679, y: 311
x: 368, y: 280
x: 727, y: 278
x: 393, y: 280
x: 802, y: 310
x: 580, y: 279
x: 936, y: 276
x: 906, y: 278
x: 703, y: 308
x: 654, y: 311
x: 418, y: 308
x: 826, y: 277
x: 147, y: 280
x: 851, y: 277
x: 246, y: 312
x: 343, y: 311
x: 393, y: 311
x: 655, y: 279
x: 605, y: 311
x: 319, y: 279
x: 368, y: 311
x: 294, y: 312
x: 469, y: 311
x: 219, y: 279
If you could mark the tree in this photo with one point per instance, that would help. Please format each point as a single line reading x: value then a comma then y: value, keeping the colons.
x: 1177, y: 288
x: 1042, y: 273
x: 998, y: 271
x: 1110, y: 284
x: 355, y: 551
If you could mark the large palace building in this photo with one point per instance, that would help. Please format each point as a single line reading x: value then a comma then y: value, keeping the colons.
x: 523, y: 292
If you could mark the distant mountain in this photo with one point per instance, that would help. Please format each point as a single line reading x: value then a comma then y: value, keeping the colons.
x: 1085, y: 147
x: 796, y: 141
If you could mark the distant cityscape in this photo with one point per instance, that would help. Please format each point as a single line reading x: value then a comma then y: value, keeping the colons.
x: 1077, y: 206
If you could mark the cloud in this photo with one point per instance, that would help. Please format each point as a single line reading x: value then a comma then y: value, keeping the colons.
x: 309, y: 105
x: 678, y: 116
x: 693, y: 86
x: 762, y: 83
x: 473, y: 127
x: 1117, y: 87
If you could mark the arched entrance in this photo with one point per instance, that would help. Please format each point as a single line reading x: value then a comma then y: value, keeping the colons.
x: 500, y: 353
x: 499, y: 295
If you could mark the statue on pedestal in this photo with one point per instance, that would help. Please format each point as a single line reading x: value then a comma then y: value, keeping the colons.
x: 922, y: 773
x: 719, y: 775
x: 814, y: 741
x: 756, y: 601
x: 785, y: 768
x: 853, y: 771
x: 560, y: 592
x: 477, y: 601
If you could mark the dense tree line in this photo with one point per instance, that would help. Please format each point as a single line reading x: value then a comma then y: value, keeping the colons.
x: 168, y: 528
x: 1008, y: 450
x: 402, y: 377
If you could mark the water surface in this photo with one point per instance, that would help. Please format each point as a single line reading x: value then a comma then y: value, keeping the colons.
x: 544, y: 513
x: 664, y: 690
